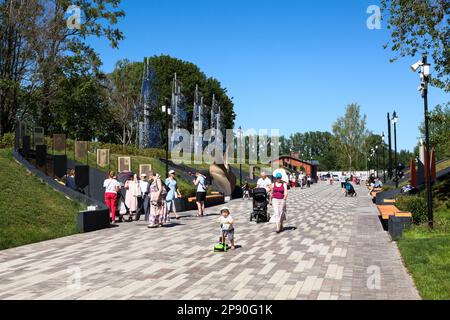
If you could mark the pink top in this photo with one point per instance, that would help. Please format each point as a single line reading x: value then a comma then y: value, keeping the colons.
x: 278, y: 191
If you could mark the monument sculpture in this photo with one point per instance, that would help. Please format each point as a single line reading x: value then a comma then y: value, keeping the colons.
x: 149, y: 130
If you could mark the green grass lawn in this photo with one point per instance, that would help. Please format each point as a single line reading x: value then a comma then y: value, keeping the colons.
x: 427, y: 253
x: 427, y: 257
x: 31, y: 211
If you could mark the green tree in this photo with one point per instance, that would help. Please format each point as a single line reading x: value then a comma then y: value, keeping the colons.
x: 439, y: 122
x: 35, y: 41
x: 125, y: 88
x: 421, y: 26
x: 80, y: 105
x: 316, y: 146
x: 350, y: 132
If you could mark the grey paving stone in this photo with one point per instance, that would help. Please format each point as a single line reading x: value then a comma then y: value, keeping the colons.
x: 327, y: 255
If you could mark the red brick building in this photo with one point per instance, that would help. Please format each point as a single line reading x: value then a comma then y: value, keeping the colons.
x: 292, y: 163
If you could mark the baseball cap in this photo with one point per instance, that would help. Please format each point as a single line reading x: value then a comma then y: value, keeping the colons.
x: 278, y: 176
x: 172, y: 172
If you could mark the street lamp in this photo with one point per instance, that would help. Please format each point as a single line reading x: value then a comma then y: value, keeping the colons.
x: 383, y: 143
x: 395, y: 120
x: 390, y: 145
x: 240, y: 162
x: 424, y: 79
x: 376, y: 161
x: 374, y: 156
x: 167, y: 111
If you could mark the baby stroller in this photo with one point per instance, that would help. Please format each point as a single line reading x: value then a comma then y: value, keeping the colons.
x: 349, y: 190
x: 260, y: 212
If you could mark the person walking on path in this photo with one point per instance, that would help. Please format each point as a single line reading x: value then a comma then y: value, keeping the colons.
x: 132, y: 193
x: 301, y: 179
x: 143, y: 200
x: 309, y: 181
x: 112, y: 188
x: 157, y: 202
x: 278, y: 197
x: 343, y: 180
x: 200, y: 183
x: 264, y: 182
x: 173, y: 194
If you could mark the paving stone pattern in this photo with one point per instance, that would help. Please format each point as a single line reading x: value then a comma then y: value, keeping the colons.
x: 334, y: 248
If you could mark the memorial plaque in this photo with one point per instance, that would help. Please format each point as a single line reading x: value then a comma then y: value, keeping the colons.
x: 124, y: 164
x: 103, y: 157
x: 81, y: 149
x: 82, y: 176
x: 41, y: 155
x: 26, y: 146
x: 60, y: 166
x: 59, y: 142
x: 145, y: 169
x: 38, y: 135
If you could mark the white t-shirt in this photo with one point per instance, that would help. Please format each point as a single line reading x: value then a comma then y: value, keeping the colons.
x: 344, y: 178
x: 264, y: 183
x: 144, y: 186
x: 226, y: 223
x: 200, y: 181
x: 111, y: 185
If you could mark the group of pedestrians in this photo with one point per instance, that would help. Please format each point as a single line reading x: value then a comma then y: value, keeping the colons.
x: 147, y: 195
x: 300, y: 180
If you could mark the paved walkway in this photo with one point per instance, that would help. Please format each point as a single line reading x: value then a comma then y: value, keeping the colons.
x: 335, y: 249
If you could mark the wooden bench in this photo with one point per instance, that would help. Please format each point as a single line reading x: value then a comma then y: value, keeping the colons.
x: 210, y: 201
x: 374, y: 193
x: 210, y: 198
x: 387, y: 211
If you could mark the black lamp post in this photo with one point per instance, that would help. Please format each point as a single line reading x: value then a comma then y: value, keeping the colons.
x: 395, y: 120
x: 390, y: 146
x: 167, y: 112
x: 240, y: 162
x: 383, y: 138
x: 377, y: 162
x: 425, y: 78
x: 374, y: 157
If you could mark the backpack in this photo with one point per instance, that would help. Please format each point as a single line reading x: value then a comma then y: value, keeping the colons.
x: 165, y: 189
x: 205, y: 185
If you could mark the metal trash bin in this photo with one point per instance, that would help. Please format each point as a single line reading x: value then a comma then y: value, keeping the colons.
x: 395, y: 228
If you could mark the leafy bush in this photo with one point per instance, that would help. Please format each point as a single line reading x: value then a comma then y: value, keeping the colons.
x: 388, y: 187
x: 415, y: 204
x: 7, y: 141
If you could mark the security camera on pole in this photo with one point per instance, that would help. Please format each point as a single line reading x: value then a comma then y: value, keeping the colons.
x: 423, y: 88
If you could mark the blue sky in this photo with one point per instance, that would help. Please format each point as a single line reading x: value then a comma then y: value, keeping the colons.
x: 292, y: 65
